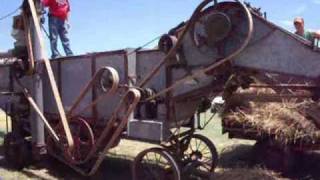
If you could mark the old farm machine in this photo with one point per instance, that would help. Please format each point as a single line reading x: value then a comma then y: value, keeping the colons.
x: 77, y: 108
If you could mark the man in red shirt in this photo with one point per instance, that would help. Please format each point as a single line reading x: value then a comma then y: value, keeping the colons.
x: 58, y: 25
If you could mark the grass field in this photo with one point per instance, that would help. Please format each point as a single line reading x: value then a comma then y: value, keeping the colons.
x: 234, y: 161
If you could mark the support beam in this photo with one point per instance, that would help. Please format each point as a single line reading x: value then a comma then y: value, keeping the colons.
x: 53, y: 84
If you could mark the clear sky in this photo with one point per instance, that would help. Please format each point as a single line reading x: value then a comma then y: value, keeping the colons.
x: 101, y: 25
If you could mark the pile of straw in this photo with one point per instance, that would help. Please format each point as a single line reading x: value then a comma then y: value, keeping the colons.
x: 286, y: 121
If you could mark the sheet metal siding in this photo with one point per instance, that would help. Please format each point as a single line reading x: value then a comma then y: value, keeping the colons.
x: 281, y: 53
x: 117, y: 61
x: 75, y: 75
x: 4, y: 78
x: 48, y: 99
x: 146, y: 61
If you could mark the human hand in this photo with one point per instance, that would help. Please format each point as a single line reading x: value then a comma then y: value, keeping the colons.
x: 42, y: 19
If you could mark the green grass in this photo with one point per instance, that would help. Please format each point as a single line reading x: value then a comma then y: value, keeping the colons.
x: 234, y: 156
x: 3, y: 126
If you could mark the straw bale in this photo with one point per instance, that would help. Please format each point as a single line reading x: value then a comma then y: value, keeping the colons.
x: 287, y: 120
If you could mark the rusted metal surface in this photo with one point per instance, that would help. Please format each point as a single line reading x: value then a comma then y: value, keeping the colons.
x: 274, y: 53
x: 114, y: 77
x: 31, y: 62
x: 83, y: 137
x: 50, y: 74
x: 130, y: 100
x: 193, y: 63
x: 52, y: 133
x: 174, y: 49
x: 69, y: 91
x: 117, y: 61
x: 95, y: 113
x: 211, y: 63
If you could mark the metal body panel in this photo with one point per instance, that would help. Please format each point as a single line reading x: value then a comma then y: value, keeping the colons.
x: 75, y: 74
x: 271, y: 49
x: 190, y: 85
x: 72, y: 76
x: 132, y: 66
x: 146, y: 61
x: 49, y: 103
x: 193, y: 56
x: 149, y: 130
x: 279, y: 52
x: 107, y: 105
x: 5, y: 79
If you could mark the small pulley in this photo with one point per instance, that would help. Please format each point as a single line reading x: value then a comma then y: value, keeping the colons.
x: 222, y: 29
x: 108, y: 80
x: 212, y: 29
x: 166, y: 42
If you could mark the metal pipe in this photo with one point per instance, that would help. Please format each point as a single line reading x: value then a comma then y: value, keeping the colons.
x: 43, y: 56
x: 37, y: 125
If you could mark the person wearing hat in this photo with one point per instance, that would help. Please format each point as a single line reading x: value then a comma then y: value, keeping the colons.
x: 299, y: 25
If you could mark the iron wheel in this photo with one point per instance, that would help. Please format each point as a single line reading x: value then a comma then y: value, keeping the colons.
x: 155, y: 164
x: 200, y: 156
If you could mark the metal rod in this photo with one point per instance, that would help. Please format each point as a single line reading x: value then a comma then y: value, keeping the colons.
x: 53, y: 84
x: 38, y: 111
x: 95, y: 102
x: 211, y: 67
x: 124, y: 120
x: 115, y: 84
x: 118, y: 131
x: 7, y: 125
x: 173, y: 50
x: 28, y: 38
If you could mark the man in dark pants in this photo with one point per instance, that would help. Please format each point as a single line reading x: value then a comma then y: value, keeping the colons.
x: 58, y: 25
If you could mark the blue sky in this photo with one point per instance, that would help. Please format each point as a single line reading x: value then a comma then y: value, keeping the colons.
x: 101, y: 25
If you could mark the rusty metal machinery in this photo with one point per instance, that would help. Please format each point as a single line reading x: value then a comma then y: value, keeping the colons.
x: 91, y: 102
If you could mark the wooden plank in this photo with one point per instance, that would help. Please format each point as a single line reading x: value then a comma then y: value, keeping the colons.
x: 51, y: 75
x: 27, y: 29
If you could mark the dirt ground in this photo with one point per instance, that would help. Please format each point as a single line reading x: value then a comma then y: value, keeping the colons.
x: 235, y: 162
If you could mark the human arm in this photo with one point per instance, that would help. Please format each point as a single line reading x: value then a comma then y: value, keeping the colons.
x: 68, y: 10
x: 45, y: 3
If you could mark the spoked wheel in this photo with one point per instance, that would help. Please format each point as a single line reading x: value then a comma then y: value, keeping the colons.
x: 155, y: 164
x: 83, y: 137
x: 200, y: 156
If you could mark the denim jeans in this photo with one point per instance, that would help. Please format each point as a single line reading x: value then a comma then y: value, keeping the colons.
x: 59, y: 28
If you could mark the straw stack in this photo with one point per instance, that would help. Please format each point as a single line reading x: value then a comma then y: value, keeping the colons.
x: 287, y: 121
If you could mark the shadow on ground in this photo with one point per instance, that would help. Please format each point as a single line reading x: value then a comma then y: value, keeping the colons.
x: 237, y: 158
x: 235, y: 163
x: 113, y: 167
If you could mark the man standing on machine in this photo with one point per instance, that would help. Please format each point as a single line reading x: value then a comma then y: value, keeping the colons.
x: 59, y: 11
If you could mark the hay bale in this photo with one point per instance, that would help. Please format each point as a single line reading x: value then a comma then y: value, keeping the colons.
x: 287, y: 120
